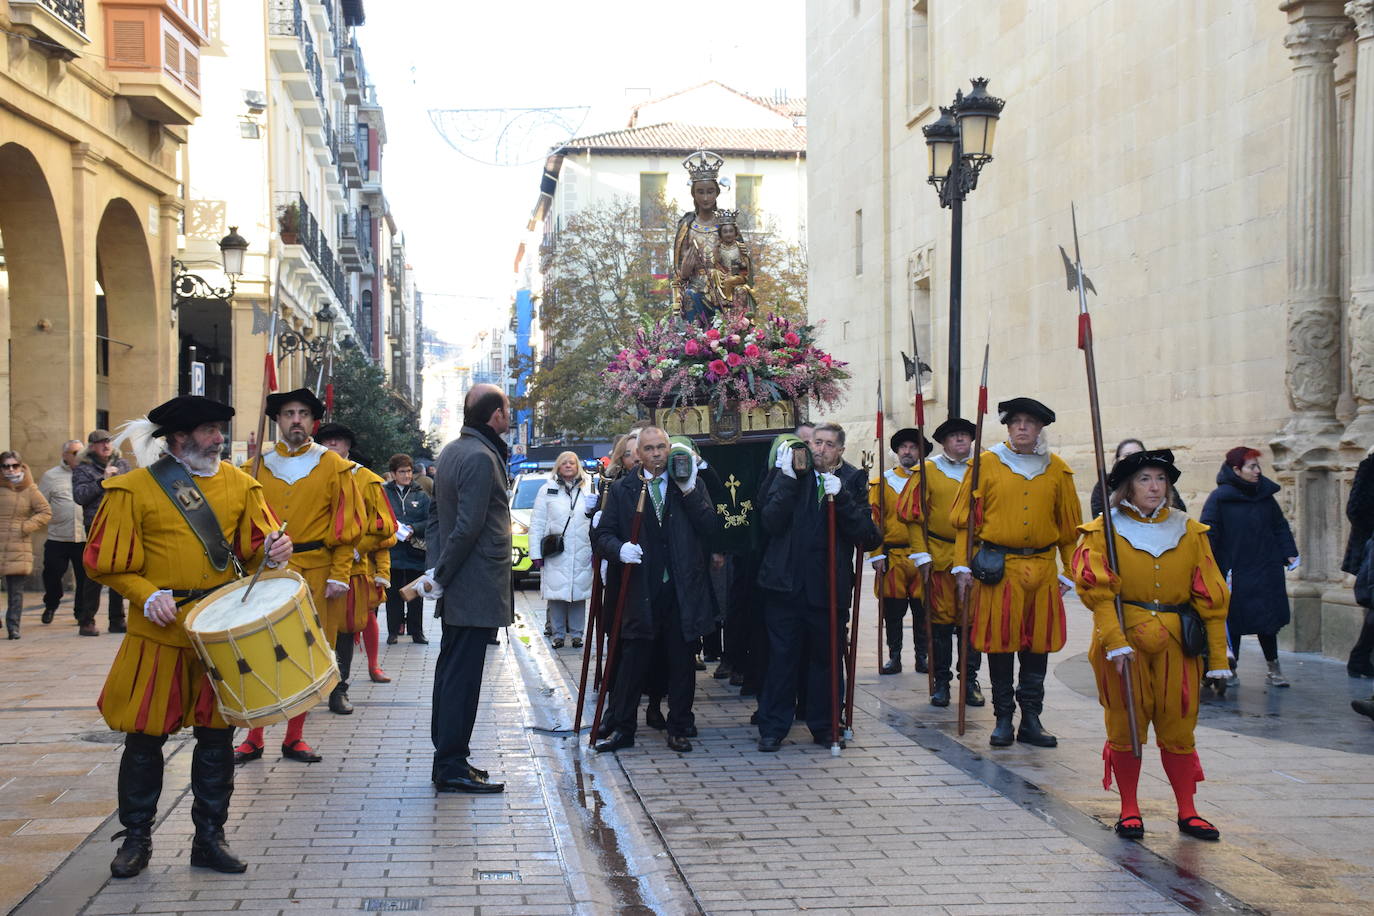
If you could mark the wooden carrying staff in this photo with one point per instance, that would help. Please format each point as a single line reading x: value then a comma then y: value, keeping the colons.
x: 924, y: 494
x: 619, y: 610
x: 834, y: 630
x: 882, y: 523
x: 593, y: 626
x: 967, y: 600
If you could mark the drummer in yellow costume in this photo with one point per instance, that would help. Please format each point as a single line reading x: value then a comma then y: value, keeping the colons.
x: 142, y: 546
x: 371, y: 572
x: 312, y: 490
x: 1166, y: 571
x: 945, y: 472
x: 896, y: 576
x: 1026, y: 511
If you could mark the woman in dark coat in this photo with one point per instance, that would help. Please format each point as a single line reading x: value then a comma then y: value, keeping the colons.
x: 1253, y: 544
x: 410, y: 505
x: 1359, y: 509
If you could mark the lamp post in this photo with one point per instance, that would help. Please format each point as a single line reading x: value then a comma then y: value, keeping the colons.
x: 188, y: 287
x: 960, y: 144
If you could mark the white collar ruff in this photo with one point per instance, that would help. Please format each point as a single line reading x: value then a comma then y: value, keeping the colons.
x: 954, y: 470
x: 1028, y: 466
x: 897, y: 481
x: 1155, y: 538
x: 294, y: 468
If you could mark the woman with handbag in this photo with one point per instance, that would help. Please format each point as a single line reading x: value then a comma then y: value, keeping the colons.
x: 561, y: 548
x: 1174, y: 599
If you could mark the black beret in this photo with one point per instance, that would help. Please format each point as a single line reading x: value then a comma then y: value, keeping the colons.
x: 278, y: 400
x: 1127, y: 467
x: 335, y: 431
x: 185, y: 412
x: 1029, y: 406
x: 954, y: 425
x: 910, y: 434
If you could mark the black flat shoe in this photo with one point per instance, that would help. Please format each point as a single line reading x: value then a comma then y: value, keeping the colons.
x: 47, y: 616
x: 478, y: 773
x: 891, y: 666
x: 723, y: 671
x: 941, y: 696
x: 653, y: 717
x: 679, y: 743
x: 117, y: 626
x: 299, y: 751
x: 1198, y: 828
x: 420, y: 640
x: 1352, y: 670
x: 1002, y: 734
x: 922, y: 665
x: 391, y: 639
x: 614, y: 742
x: 215, y: 853
x: 1363, y: 707
x: 470, y: 785
x: 1130, y: 828
x: 339, y: 705
x: 770, y: 745
x: 736, y: 679
x: 246, y: 752
x: 973, y: 694
x: 689, y: 732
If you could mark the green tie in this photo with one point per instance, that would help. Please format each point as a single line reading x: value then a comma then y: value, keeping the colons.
x: 820, y: 488
x: 657, y: 493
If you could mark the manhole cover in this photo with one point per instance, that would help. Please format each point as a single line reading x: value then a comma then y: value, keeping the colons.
x: 497, y: 875
x: 391, y: 904
x: 102, y: 737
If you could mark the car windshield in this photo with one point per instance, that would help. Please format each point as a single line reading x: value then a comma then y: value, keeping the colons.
x: 525, y: 492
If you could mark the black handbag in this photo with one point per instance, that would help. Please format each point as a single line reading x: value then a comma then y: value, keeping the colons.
x: 551, y: 545
x: 1192, y: 633
x: 989, y: 565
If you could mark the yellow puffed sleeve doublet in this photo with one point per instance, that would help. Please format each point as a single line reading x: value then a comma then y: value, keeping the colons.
x: 901, y: 537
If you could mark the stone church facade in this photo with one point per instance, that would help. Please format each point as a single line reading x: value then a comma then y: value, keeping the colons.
x: 1221, y: 157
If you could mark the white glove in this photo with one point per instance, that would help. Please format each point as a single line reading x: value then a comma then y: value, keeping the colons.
x: 383, y: 581
x: 596, y: 519
x: 631, y: 553
x: 920, y: 559
x: 403, y: 531
x: 1124, y: 651
x: 1219, y: 673
x: 688, y: 485
x: 874, y: 561
x: 428, y: 586
x: 590, y: 500
x: 784, y: 462
x: 831, y: 484
x: 1067, y: 582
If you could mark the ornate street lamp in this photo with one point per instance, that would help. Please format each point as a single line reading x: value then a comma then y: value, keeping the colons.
x: 188, y: 287
x: 959, y: 145
x: 289, y: 342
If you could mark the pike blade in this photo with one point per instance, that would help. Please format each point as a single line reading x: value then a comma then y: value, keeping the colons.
x: 909, y: 366
x: 1071, y: 272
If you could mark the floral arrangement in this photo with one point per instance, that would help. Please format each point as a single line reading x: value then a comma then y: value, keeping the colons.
x: 739, y: 358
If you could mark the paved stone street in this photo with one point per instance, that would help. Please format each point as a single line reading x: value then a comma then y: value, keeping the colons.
x: 908, y: 819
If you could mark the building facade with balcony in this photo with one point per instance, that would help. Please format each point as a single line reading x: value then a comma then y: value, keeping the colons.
x: 97, y: 97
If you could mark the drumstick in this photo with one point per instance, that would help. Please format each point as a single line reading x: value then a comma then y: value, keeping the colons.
x: 261, y: 566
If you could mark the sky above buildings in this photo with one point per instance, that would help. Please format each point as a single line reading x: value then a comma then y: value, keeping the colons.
x: 463, y: 217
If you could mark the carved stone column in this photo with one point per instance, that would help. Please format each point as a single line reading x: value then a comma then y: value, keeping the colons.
x: 1360, y: 433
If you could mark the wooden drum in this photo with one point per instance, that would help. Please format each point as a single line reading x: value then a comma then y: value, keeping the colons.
x: 267, y: 657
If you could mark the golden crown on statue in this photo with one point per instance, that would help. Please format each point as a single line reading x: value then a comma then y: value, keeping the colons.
x: 703, y: 165
x: 726, y: 216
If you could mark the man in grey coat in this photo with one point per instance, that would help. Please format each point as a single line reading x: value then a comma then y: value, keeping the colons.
x: 469, y: 547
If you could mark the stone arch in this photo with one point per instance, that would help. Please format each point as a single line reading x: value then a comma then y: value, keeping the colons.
x: 36, y: 366
x: 126, y: 346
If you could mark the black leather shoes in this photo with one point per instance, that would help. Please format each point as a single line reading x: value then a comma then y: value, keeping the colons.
x: 299, y: 751
x: 614, y: 742
x: 478, y: 773
x: 1198, y: 828
x: 1002, y: 734
x: 214, y: 852
x: 689, y: 732
x: 391, y: 639
x: 338, y: 703
x: 48, y: 615
x: 468, y: 784
x: 1363, y: 707
x: 1033, y: 733
x: 604, y: 730
x: 133, y: 854
x: 973, y: 694
x: 420, y: 640
x: 679, y: 743
x: 770, y: 745
x: 922, y: 664
x: 941, y: 695
x: 892, y: 666
x: 653, y: 717
x: 246, y: 752
x: 1354, y: 669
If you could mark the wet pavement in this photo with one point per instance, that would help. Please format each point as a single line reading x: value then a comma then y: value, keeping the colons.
x: 910, y: 818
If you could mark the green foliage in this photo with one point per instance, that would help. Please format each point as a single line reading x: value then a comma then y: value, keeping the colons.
x: 383, y: 425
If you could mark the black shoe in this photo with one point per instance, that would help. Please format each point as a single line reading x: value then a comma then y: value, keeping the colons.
x: 614, y: 742
x: 604, y: 730
x: 468, y: 784
x: 754, y: 718
x: 86, y: 629
x: 653, y: 717
x: 723, y: 670
x: 242, y: 756
x: 770, y: 745
x: 922, y: 664
x: 941, y: 695
x: 1363, y: 707
x: 300, y: 751
x: 48, y: 615
x: 14, y: 634
x: 1002, y: 735
x: 973, y: 694
x: 420, y: 640
x: 117, y: 626
x: 214, y: 852
x: 1033, y: 733
x: 391, y: 639
x: 577, y: 642
x: 824, y: 740
x: 1198, y: 828
x: 133, y: 854
x: 548, y: 629
x: 749, y: 690
x: 1130, y: 827
x: 1353, y: 669
x: 736, y: 678
x: 893, y: 665
x: 338, y: 703
x: 689, y: 732
x: 478, y: 773
x: 558, y: 642
x: 679, y: 743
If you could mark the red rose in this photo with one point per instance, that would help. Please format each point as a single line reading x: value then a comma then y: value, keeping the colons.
x: 691, y: 348
x: 751, y: 351
x: 713, y: 334
x: 791, y: 339
x: 718, y: 367
x: 734, y: 359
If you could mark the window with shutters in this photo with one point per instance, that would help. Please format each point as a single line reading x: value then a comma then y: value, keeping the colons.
x: 917, y: 59
x: 171, y: 53
x: 190, y: 67
x: 129, y: 42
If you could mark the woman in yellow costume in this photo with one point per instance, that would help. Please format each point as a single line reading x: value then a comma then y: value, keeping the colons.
x: 1171, y: 589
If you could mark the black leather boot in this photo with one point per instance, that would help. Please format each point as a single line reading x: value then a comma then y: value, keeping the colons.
x: 973, y: 694
x: 338, y: 701
x: 941, y: 695
x: 140, y: 786
x: 941, y: 659
x: 1000, y: 666
x: 212, y: 785
x: 893, y: 665
x: 1030, y: 694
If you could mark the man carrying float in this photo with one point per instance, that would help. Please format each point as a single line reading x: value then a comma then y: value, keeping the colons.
x: 165, y: 535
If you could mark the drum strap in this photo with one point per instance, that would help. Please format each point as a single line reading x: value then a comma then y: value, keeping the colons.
x: 180, y: 487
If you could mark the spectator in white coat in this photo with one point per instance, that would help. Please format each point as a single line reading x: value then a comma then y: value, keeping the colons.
x: 565, y: 575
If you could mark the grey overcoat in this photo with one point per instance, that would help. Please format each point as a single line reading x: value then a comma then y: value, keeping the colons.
x: 469, y: 543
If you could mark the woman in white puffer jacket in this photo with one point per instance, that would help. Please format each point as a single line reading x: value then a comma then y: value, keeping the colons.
x: 566, y: 577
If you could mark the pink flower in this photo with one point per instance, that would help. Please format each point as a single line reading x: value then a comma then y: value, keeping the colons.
x: 791, y: 339
x: 713, y: 334
x: 715, y: 345
x: 734, y: 338
x: 691, y: 348
x: 751, y: 351
x: 718, y: 367
x: 760, y: 334
x: 734, y: 359
x: 826, y: 359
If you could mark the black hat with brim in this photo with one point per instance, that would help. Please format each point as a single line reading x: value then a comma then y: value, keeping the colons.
x: 185, y: 412
x: 910, y: 434
x: 1127, y: 467
x: 335, y: 431
x: 1029, y: 406
x: 278, y: 400
x: 954, y: 425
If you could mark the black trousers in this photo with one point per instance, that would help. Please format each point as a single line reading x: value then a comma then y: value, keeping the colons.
x: 457, y: 689
x: 944, y: 656
x: 1362, y: 653
x: 57, y: 556
x: 343, y: 654
x: 399, y: 610
x: 799, y: 647
x: 1029, y: 691
x: 88, y: 603
x: 894, y: 612
x: 635, y: 658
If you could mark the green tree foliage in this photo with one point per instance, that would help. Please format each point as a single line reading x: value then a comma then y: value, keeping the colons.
x: 606, y: 274
x: 383, y: 425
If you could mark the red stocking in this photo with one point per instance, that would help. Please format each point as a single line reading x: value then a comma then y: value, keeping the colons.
x: 252, y: 741
x: 1127, y: 769
x: 1184, y: 772
x: 370, y: 634
x: 295, y: 728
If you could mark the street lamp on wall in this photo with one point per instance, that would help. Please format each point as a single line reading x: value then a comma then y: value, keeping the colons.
x: 959, y: 144
x: 188, y: 287
x: 289, y: 342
